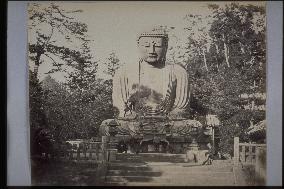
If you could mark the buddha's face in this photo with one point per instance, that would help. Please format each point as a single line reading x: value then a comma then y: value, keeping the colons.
x: 153, y: 50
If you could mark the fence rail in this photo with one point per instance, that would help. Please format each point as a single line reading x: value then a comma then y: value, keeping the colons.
x: 251, y: 144
x: 251, y: 154
x: 246, y: 153
x: 102, y: 151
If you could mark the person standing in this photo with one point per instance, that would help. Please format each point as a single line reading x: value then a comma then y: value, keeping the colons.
x: 209, y: 155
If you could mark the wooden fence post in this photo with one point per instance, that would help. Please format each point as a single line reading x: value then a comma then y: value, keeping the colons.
x: 257, y: 162
x: 78, y: 153
x: 104, y: 148
x: 250, y: 154
x: 236, y: 150
x: 90, y: 150
x: 97, y: 152
x: 260, y: 165
x: 243, y: 154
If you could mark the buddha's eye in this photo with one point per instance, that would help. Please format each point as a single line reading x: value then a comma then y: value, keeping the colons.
x: 158, y: 44
x: 146, y: 44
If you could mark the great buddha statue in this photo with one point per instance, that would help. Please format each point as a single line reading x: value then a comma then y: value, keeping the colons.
x: 151, y: 95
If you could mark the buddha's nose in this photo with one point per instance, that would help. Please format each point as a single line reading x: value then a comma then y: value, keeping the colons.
x: 153, y: 48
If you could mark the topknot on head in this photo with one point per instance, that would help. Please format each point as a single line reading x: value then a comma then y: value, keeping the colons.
x: 154, y: 32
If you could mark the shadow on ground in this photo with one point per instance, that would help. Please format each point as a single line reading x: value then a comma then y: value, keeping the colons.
x: 130, y: 168
x: 63, y: 173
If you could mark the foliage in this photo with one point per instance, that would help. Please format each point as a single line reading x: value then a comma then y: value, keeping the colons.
x: 112, y: 64
x: 39, y: 141
x: 37, y: 118
x: 53, y: 35
x: 76, y: 114
x: 227, y: 59
x: 55, y: 108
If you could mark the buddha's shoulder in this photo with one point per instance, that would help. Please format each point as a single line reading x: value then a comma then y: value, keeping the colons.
x: 176, y: 68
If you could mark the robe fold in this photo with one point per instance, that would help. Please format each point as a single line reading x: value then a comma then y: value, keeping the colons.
x: 150, y: 89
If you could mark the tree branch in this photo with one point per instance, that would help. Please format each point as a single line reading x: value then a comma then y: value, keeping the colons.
x: 56, y: 8
x: 54, y: 62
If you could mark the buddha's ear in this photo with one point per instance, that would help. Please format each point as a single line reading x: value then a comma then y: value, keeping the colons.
x: 138, y: 40
x: 166, y: 42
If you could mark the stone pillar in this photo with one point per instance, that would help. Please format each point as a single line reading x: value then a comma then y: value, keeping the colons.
x: 192, y: 151
x: 194, y: 145
x: 112, y: 151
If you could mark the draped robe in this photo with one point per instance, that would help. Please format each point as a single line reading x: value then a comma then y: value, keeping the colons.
x: 152, y: 90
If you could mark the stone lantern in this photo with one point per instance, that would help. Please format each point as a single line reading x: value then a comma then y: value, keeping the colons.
x: 112, y: 127
x: 193, y: 145
x: 211, y: 122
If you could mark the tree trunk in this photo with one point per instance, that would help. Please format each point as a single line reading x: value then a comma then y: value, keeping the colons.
x: 226, y: 55
x: 204, y: 58
x: 226, y: 51
x: 217, y: 65
x: 217, y: 48
x: 242, y: 48
x: 254, y: 84
x: 37, y: 61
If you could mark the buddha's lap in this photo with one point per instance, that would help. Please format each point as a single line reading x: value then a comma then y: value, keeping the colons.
x: 134, y: 125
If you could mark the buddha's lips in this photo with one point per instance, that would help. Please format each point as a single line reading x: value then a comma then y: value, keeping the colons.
x: 153, y: 56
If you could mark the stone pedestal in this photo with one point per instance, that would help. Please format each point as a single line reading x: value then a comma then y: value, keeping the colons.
x: 112, y: 154
x: 112, y: 148
x: 151, y: 148
x: 201, y: 157
x: 193, y: 146
x: 192, y: 152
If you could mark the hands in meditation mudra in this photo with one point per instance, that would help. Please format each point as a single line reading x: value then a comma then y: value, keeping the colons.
x: 151, y: 93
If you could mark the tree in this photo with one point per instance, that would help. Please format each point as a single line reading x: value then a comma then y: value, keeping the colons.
x: 112, y: 64
x: 39, y: 132
x: 59, y: 37
x: 37, y: 117
x: 199, y: 41
x: 56, y: 102
x: 76, y: 113
x: 232, y: 64
x: 84, y: 70
x: 49, y: 27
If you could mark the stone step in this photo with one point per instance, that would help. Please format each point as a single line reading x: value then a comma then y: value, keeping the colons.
x: 134, y: 173
x: 187, y: 179
x: 149, y: 155
x: 154, y: 157
x: 188, y: 183
x: 163, y: 173
x: 145, y: 155
x: 160, y: 166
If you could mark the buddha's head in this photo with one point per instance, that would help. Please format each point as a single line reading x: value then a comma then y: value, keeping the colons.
x: 153, y: 47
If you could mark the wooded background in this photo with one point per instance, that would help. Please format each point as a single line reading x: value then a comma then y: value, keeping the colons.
x: 225, y: 59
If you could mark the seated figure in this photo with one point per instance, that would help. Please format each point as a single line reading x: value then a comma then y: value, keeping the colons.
x: 151, y: 93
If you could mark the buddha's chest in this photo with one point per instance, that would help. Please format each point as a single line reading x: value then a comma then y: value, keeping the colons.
x: 152, y: 88
x: 155, y: 80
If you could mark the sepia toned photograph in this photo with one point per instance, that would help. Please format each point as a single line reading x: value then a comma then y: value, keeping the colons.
x: 147, y: 93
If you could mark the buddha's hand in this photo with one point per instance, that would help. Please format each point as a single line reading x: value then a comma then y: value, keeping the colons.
x: 129, y: 116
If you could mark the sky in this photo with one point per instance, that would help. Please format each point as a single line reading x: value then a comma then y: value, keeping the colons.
x: 114, y: 26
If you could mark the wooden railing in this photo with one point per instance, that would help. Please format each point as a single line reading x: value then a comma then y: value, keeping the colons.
x: 87, y: 151
x: 247, y: 153
x: 251, y: 154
